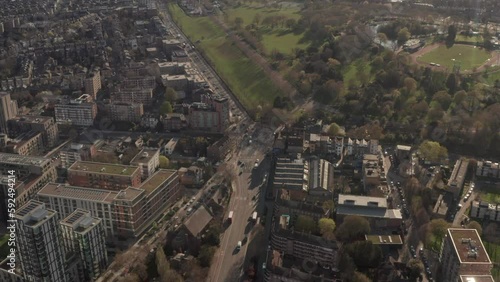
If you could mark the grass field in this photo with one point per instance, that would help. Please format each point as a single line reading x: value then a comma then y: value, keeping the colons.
x: 470, y: 39
x: 468, y: 56
x: 353, y: 72
x: 490, y: 197
x: 278, y: 38
x: 494, y: 253
x: 493, y: 75
x: 245, y: 78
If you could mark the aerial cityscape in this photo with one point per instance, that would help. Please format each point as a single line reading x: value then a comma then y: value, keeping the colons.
x: 245, y: 141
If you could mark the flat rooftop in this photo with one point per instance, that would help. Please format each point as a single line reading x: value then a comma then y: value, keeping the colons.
x: 16, y: 159
x: 384, y: 239
x: 80, y: 193
x: 364, y: 201
x: 104, y: 168
x: 81, y: 221
x: 144, y: 156
x: 156, y: 180
x: 468, y: 246
x: 476, y: 278
x: 34, y: 213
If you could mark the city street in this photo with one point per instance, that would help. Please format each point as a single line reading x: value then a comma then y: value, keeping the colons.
x: 228, y: 262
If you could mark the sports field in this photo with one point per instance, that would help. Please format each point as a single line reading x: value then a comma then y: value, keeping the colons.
x: 245, y: 78
x: 278, y: 36
x: 467, y: 56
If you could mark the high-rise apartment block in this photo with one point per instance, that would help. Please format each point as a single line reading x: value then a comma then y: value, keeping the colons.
x: 81, y: 111
x: 133, y: 95
x: 93, y: 83
x: 127, y: 212
x: 103, y: 175
x: 463, y: 254
x: 32, y: 173
x: 84, y: 235
x: 39, y: 247
x: 8, y: 110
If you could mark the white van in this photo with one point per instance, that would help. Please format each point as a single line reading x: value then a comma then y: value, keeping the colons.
x: 239, y: 245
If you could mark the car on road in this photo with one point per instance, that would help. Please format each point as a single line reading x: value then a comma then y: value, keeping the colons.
x: 189, y: 211
x: 238, y: 247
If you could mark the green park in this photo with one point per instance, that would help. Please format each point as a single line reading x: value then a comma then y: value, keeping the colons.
x: 468, y: 57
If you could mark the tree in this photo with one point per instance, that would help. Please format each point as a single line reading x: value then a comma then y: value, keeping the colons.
x: 290, y: 23
x: 416, y: 267
x: 335, y: 130
x: 166, y: 108
x: 238, y: 22
x: 170, y: 94
x: 328, y: 206
x: 306, y: 224
x: 141, y: 270
x: 164, y: 162
x: 432, y: 151
x: 475, y: 225
x: 360, y: 277
x: 437, y: 228
x: 364, y: 254
x: 403, y: 36
x: 452, y: 34
x: 451, y: 83
x: 326, y: 227
x: 353, y: 227
x: 206, y: 255
x: 257, y: 18
x: 329, y: 92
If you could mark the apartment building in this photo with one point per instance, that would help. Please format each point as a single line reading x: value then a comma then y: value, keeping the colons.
x: 25, y: 165
x: 148, y: 160
x: 74, y: 152
x: 84, y: 235
x: 93, y: 83
x: 43, y: 124
x: 374, y: 209
x: 371, y: 171
x: 484, y: 210
x: 462, y: 254
x: 177, y: 82
x: 221, y: 107
x: 39, y: 249
x: 81, y: 111
x: 202, y: 117
x: 488, y: 169
x: 138, y: 82
x: 103, y: 175
x: 133, y: 95
x: 304, y: 246
x: 457, y: 178
x: 31, y: 174
x: 174, y: 122
x: 125, y: 213
x: 8, y: 110
x: 6, y: 276
x: 28, y: 143
x: 121, y: 111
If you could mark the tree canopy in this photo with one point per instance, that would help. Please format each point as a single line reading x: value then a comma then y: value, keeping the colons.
x: 326, y: 227
x: 305, y: 224
x: 475, y: 225
x: 353, y: 227
x: 164, y: 162
x: 432, y: 151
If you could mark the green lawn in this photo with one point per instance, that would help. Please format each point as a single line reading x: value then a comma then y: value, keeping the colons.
x: 245, y: 78
x: 280, y: 37
x: 492, y: 76
x: 490, y: 197
x: 468, y: 56
x: 352, y: 73
x: 494, y: 253
x: 470, y: 39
